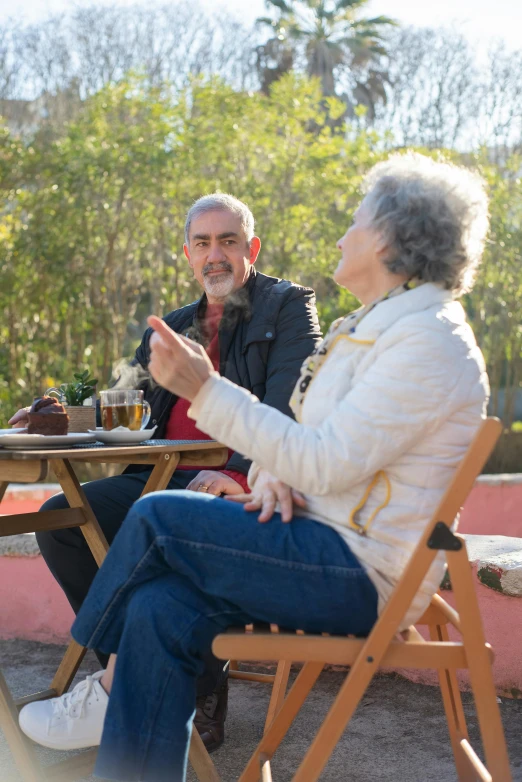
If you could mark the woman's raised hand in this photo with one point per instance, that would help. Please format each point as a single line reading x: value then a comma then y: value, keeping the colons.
x: 177, y: 363
x: 267, y: 492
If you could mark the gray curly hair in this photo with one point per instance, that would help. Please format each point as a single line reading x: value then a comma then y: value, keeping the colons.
x: 433, y: 217
x: 223, y: 202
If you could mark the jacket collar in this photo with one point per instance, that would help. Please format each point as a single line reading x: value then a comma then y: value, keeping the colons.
x: 389, y: 311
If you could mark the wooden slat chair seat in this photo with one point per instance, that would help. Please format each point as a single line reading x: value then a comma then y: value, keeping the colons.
x: 386, y: 647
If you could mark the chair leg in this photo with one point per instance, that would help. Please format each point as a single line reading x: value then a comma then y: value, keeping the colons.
x: 282, y: 721
x: 252, y: 676
x: 338, y: 717
x: 278, y: 691
x: 200, y: 760
x: 454, y: 710
x: 21, y: 749
x: 264, y: 767
x: 479, y: 665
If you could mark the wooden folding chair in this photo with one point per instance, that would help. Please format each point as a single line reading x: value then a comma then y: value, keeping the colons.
x: 384, y: 647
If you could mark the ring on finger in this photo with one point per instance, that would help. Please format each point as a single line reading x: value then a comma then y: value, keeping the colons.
x: 202, y: 488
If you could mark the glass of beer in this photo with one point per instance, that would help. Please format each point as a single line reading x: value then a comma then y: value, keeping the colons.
x: 120, y: 407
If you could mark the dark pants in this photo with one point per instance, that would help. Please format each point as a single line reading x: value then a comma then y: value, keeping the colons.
x: 70, y: 560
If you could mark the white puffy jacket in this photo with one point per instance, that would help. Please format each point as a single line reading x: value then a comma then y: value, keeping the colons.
x: 384, y: 424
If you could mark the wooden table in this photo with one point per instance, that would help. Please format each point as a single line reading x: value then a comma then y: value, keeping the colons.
x: 30, y: 466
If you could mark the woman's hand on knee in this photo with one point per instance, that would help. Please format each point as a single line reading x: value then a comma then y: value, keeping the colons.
x: 266, y: 494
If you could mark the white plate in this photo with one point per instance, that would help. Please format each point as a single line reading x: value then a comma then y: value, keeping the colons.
x: 123, y: 436
x: 43, y: 441
x: 13, y: 431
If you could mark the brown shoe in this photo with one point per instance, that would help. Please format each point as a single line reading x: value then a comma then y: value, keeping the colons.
x: 211, y: 711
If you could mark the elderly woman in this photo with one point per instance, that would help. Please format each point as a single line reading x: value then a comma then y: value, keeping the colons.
x: 386, y: 407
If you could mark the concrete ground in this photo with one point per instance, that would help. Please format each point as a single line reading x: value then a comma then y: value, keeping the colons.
x: 398, y: 733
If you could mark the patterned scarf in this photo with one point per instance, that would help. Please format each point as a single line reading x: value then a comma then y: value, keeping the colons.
x: 344, y: 325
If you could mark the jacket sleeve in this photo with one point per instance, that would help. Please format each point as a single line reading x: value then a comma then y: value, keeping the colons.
x: 404, y: 396
x: 297, y: 334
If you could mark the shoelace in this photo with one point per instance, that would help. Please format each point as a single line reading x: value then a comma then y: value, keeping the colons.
x: 64, y: 706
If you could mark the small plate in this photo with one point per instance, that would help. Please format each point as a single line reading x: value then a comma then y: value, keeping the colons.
x: 43, y: 441
x: 122, y: 436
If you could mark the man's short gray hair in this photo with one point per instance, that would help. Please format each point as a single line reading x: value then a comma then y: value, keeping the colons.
x: 433, y: 217
x: 223, y: 202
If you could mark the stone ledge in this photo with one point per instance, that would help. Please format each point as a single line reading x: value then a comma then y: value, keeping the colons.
x: 21, y: 489
x: 498, y: 560
x: 34, y: 607
x: 24, y: 545
x: 34, y: 491
x: 502, y: 479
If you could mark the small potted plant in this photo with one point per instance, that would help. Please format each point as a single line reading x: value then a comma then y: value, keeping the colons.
x: 74, y: 395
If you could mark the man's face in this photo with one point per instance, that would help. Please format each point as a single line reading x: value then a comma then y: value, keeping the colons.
x: 219, y: 254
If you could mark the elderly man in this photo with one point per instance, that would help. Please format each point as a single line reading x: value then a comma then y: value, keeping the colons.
x: 257, y: 331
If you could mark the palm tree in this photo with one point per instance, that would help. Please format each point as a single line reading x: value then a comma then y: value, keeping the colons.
x: 330, y: 33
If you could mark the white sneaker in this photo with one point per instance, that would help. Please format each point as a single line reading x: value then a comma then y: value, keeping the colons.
x: 73, y: 721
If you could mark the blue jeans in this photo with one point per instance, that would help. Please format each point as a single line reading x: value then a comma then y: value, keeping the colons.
x: 182, y: 569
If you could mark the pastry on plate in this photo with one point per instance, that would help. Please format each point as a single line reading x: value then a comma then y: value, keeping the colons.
x: 47, y: 416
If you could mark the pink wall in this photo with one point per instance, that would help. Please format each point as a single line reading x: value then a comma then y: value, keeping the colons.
x: 494, y: 506
x: 499, y: 613
x: 32, y: 605
x: 10, y: 504
x: 493, y: 509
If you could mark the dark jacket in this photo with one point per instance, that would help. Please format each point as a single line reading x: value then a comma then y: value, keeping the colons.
x: 268, y: 329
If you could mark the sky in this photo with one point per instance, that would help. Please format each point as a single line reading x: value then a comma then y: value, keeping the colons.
x: 482, y: 20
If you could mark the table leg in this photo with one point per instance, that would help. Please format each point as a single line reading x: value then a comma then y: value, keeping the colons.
x: 20, y: 746
x: 76, y: 498
x: 162, y: 473
x: 159, y: 479
x: 200, y: 760
x: 98, y: 545
x: 3, y: 489
x: 68, y: 667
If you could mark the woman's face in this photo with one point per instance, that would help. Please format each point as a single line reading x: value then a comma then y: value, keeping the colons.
x: 362, y: 250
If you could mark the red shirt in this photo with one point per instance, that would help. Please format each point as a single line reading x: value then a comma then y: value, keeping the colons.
x: 179, y: 425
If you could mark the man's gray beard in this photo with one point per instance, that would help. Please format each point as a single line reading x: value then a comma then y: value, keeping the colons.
x: 220, y: 288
